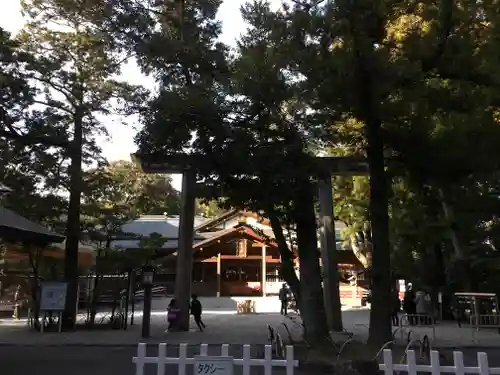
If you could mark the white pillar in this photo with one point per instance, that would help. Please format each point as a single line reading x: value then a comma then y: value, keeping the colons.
x: 219, y: 275
x: 263, y: 271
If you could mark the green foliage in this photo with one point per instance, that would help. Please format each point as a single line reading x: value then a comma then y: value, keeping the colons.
x: 74, y: 72
x: 26, y: 163
x: 124, y: 186
x: 210, y: 208
x: 112, y: 261
x: 116, y: 194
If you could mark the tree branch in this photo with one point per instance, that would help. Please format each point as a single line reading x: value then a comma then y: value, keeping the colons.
x: 60, y: 89
x: 308, y: 6
x: 54, y: 105
x: 30, y: 140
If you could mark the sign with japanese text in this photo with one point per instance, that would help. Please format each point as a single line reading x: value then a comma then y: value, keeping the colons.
x: 204, y: 365
x: 53, y: 296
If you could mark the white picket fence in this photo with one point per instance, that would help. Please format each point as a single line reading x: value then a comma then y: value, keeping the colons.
x: 289, y: 363
x: 268, y: 362
x: 435, y: 367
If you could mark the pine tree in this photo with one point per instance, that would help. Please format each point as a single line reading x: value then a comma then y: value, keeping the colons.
x: 74, y: 68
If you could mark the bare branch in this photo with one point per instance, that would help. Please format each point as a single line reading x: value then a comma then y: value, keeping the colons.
x: 60, y: 89
x: 54, y: 105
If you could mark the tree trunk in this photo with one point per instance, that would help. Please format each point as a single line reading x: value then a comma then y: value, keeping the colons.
x: 287, y: 266
x: 73, y: 226
x: 312, y: 304
x: 96, y: 294
x: 380, y: 313
x: 462, y: 270
x: 35, y: 288
x: 368, y: 108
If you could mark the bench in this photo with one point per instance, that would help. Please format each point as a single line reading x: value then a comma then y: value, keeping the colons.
x: 417, y: 320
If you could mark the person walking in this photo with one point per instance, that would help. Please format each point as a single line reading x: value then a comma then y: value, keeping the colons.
x: 283, y: 296
x: 196, y: 310
x: 429, y: 311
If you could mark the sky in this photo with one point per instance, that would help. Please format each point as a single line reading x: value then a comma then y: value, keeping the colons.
x: 120, y: 143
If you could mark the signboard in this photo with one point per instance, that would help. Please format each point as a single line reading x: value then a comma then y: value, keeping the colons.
x: 204, y: 365
x: 53, y: 296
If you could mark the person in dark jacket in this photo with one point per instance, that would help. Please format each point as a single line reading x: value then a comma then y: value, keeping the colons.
x: 196, y: 310
x: 409, y: 305
x: 283, y: 296
x: 395, y: 308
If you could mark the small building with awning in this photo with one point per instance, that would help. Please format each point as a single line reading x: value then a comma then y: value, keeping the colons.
x: 15, y: 228
x: 18, y: 237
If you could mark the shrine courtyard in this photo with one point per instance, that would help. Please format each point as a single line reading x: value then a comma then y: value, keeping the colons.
x: 227, y: 327
x: 104, y: 353
x: 110, y: 352
x: 223, y: 326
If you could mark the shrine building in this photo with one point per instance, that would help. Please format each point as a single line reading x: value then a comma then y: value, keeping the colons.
x: 234, y: 254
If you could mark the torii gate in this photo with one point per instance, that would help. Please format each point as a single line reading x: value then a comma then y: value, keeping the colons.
x: 330, y: 166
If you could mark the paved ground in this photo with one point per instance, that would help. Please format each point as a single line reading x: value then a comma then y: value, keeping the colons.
x: 228, y: 327
x: 221, y: 328
x: 447, y: 334
x: 93, y: 360
x: 224, y: 326
x: 110, y: 352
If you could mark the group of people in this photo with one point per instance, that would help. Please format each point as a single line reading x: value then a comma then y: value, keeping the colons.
x: 195, y: 309
x: 417, y: 303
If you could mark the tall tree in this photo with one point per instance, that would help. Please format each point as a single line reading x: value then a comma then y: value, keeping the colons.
x: 276, y: 147
x: 340, y: 51
x: 428, y: 104
x: 74, y: 69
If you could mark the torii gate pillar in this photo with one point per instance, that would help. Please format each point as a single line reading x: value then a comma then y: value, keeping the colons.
x: 328, y: 245
x: 184, y: 272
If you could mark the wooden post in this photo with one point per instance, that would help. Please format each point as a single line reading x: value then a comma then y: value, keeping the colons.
x: 183, y: 277
x: 130, y: 284
x: 218, y: 275
x: 263, y: 271
x: 329, y: 256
